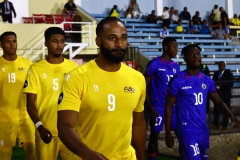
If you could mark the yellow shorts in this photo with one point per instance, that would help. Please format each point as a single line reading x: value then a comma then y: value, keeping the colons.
x: 51, y: 150
x: 23, y: 130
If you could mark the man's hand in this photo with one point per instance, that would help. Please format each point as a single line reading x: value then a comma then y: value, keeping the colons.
x: 90, y: 155
x: 45, y: 134
x: 169, y: 140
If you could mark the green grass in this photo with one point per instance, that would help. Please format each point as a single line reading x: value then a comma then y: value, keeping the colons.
x: 19, y: 154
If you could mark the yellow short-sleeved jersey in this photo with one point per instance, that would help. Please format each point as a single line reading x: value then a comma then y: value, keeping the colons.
x: 105, y: 102
x: 12, y: 99
x: 45, y: 80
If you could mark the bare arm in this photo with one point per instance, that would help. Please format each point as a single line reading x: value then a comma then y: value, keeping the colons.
x: 66, y: 122
x: 218, y: 101
x: 139, y: 134
x: 44, y: 133
x: 168, y: 118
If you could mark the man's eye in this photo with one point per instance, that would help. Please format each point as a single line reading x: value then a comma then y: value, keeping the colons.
x: 112, y: 38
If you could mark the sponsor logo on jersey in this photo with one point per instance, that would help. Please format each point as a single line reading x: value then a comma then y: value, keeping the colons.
x: 187, y: 87
x: 66, y: 76
x: 60, y: 98
x: 25, y: 84
x: 129, y: 89
x: 95, y: 88
x: 204, y: 86
x: 21, y: 69
x: 161, y: 69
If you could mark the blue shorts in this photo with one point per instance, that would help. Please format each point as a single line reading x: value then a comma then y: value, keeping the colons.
x: 160, y: 120
x: 193, y: 145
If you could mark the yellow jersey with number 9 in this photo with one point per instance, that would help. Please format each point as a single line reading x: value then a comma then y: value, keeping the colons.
x: 105, y: 102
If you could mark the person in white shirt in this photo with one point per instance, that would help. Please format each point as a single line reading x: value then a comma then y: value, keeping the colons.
x: 165, y: 17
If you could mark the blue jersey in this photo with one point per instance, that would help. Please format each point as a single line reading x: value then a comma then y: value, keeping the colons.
x: 191, y: 94
x: 160, y: 72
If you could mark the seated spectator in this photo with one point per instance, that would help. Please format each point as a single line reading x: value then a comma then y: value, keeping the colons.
x: 128, y: 13
x: 69, y: 9
x: 220, y: 32
x: 164, y: 33
x: 77, y: 37
x: 196, y: 18
x: 179, y: 27
x: 185, y: 15
x: 115, y: 12
x: 171, y: 11
x: 165, y: 17
x: 191, y: 28
x: 136, y: 13
x: 205, y: 29
x: 175, y: 17
x: 235, y: 21
x: 152, y: 18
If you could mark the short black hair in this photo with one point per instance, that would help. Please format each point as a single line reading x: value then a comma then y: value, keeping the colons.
x: 189, y: 46
x: 104, y: 21
x: 53, y: 30
x: 168, y: 40
x: 7, y: 34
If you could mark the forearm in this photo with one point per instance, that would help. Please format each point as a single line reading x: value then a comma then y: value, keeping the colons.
x: 71, y: 140
x: 139, y: 140
x: 168, y: 118
x: 33, y: 113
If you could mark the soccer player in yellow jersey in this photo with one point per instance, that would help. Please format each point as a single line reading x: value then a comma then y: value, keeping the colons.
x: 15, y: 122
x: 101, y: 113
x: 43, y: 86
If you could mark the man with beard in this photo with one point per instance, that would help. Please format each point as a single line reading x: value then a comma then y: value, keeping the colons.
x: 43, y: 86
x: 189, y: 91
x: 101, y: 114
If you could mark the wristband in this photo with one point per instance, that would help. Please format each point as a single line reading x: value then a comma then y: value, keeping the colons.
x: 39, y: 123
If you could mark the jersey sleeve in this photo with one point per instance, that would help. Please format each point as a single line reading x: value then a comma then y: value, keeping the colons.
x: 140, y: 106
x: 71, y: 92
x: 31, y: 82
x: 173, y: 87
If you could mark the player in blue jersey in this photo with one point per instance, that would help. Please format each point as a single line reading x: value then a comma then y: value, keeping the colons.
x: 158, y: 73
x: 189, y: 91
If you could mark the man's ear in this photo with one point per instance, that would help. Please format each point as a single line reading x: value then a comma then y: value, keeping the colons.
x: 98, y: 41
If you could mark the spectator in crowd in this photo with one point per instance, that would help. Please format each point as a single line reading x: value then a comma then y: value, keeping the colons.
x: 15, y: 123
x: 235, y: 21
x: 220, y: 32
x: 43, y: 86
x: 205, y: 29
x: 164, y: 33
x: 224, y: 83
x: 171, y: 11
x: 6, y: 10
x: 115, y: 12
x: 152, y: 18
x: 216, y: 16
x: 179, y: 27
x: 69, y: 9
x: 185, y: 15
x: 196, y: 18
x: 158, y: 73
x: 77, y: 37
x: 175, y: 17
x: 189, y: 91
x: 87, y: 127
x: 136, y: 12
x: 128, y: 13
x: 165, y: 17
x: 225, y: 21
x: 191, y: 28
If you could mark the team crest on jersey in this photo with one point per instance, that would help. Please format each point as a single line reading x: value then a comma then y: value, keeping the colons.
x: 95, y: 88
x: 3, y: 69
x: 44, y: 75
x: 174, y: 70
x: 25, y: 84
x: 29, y: 71
x: 66, y: 76
x: 204, y: 86
x: 129, y: 89
x: 60, y: 98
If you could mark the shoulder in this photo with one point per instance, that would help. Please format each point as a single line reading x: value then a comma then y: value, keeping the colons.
x: 25, y: 60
